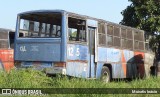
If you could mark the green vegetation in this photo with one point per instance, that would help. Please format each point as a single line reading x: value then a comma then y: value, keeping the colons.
x: 24, y: 79
x: 143, y: 14
x: 36, y: 79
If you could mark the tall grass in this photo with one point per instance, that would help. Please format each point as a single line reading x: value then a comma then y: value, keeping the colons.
x: 34, y: 79
x: 24, y: 79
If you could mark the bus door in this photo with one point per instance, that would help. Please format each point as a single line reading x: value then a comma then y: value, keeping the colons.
x: 91, y: 31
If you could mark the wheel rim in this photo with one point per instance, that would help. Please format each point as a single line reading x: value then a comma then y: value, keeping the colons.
x: 105, y: 77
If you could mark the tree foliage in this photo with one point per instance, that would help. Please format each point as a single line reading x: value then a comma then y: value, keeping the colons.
x: 145, y: 15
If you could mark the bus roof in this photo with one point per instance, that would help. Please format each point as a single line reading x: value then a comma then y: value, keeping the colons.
x: 5, y: 30
x: 76, y: 15
x: 42, y: 11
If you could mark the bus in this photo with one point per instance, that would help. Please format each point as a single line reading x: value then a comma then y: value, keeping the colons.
x: 6, y: 49
x: 62, y: 42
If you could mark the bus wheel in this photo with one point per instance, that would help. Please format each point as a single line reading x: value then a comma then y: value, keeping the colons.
x: 105, y: 74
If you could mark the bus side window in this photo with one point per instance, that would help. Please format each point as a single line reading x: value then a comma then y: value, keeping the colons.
x: 139, y: 40
x: 123, y: 38
x: 33, y: 29
x: 3, y: 43
x: 110, y: 35
x: 76, y: 29
x: 117, y: 39
x: 72, y: 34
x: 3, y: 39
x: 101, y: 34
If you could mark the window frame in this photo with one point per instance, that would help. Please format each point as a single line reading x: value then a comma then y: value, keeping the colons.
x: 100, y: 32
x: 115, y: 36
x: 85, y: 31
x: 139, y: 40
x: 40, y: 20
x: 128, y: 31
x: 6, y: 39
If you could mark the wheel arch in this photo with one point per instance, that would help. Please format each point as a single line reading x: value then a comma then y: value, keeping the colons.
x: 109, y: 66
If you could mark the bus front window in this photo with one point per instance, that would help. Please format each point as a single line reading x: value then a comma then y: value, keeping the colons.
x: 40, y: 25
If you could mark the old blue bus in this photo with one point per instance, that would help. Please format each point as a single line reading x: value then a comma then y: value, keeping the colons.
x: 57, y: 41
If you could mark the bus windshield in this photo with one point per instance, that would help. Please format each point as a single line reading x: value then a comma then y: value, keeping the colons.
x: 40, y: 25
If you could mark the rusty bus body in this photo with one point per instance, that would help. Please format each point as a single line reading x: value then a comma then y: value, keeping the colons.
x: 81, y: 46
x: 6, y: 49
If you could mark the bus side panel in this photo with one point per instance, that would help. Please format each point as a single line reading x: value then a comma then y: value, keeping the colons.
x: 99, y: 69
x: 134, y: 63
x: 109, y: 55
x: 125, y: 63
x: 6, y: 58
x: 148, y: 61
x: 128, y: 63
x: 139, y: 60
x: 77, y: 69
x: 77, y: 60
x: 102, y: 54
x: 113, y: 57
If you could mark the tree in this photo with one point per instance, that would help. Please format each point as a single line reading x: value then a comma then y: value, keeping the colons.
x: 145, y: 15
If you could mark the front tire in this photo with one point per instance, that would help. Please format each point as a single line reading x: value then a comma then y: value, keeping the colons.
x: 105, y: 74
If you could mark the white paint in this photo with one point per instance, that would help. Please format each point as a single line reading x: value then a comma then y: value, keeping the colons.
x: 77, y: 52
x: 22, y: 48
x: 70, y: 51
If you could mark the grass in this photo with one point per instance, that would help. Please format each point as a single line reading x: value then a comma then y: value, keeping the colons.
x: 24, y: 79
x: 35, y: 79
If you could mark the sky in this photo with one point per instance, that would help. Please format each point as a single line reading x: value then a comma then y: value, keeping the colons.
x: 109, y: 10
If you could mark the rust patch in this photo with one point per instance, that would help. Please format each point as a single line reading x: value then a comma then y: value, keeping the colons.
x: 77, y: 61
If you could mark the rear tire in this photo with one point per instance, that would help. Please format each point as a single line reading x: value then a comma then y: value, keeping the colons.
x: 105, y: 74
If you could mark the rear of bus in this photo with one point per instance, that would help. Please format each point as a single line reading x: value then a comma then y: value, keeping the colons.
x: 44, y: 45
x: 6, y: 49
